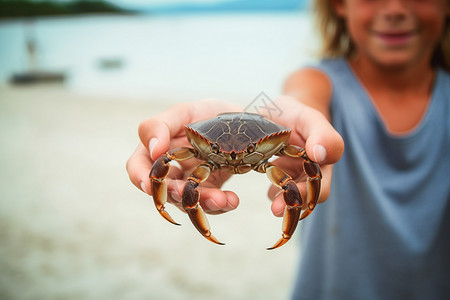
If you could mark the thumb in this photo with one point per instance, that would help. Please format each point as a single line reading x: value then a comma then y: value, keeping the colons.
x: 155, y: 136
x: 323, y: 144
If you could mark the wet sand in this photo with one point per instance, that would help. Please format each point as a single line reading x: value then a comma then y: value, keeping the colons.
x: 72, y: 226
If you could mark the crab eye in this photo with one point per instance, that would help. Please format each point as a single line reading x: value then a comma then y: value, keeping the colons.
x: 215, y: 148
x: 251, y: 148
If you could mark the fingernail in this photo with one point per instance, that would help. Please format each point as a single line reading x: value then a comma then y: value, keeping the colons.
x: 175, y: 196
x: 151, y: 146
x: 143, y: 187
x: 319, y: 153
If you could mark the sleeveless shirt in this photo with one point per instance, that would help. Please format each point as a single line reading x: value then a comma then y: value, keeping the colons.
x: 384, y: 232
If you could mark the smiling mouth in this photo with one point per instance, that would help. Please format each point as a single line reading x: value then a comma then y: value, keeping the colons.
x: 398, y: 38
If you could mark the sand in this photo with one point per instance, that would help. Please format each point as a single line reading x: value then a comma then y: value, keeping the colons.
x: 72, y: 226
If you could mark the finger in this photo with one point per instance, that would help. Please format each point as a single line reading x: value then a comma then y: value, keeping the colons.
x: 278, y: 203
x: 138, y: 167
x: 156, y: 133
x: 216, y: 201
x: 323, y: 143
x: 212, y: 199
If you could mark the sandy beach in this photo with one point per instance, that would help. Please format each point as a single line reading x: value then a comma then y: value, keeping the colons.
x: 72, y: 226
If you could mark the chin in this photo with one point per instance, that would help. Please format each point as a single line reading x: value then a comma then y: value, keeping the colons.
x: 396, y: 61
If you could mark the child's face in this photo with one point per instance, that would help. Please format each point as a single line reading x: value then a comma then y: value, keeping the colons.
x: 394, y: 32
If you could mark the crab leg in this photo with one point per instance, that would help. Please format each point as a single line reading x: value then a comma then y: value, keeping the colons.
x: 191, y: 198
x: 313, y: 180
x: 158, y: 174
x: 293, y: 201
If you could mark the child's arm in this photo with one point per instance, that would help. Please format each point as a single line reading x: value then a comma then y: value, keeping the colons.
x: 311, y: 87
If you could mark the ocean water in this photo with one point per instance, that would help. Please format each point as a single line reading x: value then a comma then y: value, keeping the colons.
x: 179, y: 57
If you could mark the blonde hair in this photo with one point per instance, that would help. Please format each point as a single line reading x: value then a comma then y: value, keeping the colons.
x: 336, y: 41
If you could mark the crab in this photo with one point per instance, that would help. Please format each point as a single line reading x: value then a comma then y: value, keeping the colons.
x: 238, y: 143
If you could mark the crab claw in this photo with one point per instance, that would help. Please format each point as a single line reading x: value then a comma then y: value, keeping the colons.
x: 200, y: 222
x: 159, y: 171
x: 291, y: 213
x: 159, y: 192
x: 313, y: 184
x: 158, y: 174
x: 191, y: 205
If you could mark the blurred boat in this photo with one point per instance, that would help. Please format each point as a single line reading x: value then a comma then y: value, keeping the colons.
x: 35, y: 74
x: 111, y: 63
x: 32, y: 77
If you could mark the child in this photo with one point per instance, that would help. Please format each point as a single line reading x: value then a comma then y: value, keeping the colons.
x: 384, y: 233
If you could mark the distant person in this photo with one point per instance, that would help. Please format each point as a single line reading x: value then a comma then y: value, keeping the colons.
x: 384, y: 86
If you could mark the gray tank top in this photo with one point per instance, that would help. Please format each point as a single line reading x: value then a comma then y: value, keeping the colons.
x: 384, y: 232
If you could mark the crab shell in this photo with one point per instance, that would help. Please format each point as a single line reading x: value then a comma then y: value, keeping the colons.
x: 237, y: 142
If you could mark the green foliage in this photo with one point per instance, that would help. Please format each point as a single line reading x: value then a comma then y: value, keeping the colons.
x: 29, y: 8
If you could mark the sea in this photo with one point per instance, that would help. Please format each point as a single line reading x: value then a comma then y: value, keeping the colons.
x: 167, y: 57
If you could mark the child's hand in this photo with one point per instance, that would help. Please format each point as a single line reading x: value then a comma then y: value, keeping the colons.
x: 165, y: 132
x: 312, y: 131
